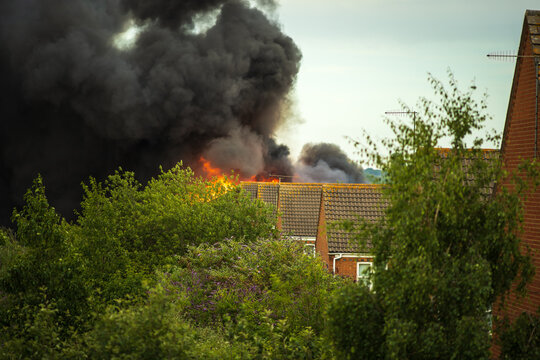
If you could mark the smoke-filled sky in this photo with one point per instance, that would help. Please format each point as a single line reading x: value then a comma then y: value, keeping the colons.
x: 90, y: 85
x: 361, y: 56
x: 81, y: 95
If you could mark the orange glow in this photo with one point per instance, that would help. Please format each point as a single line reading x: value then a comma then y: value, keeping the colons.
x: 219, y: 183
x: 258, y: 178
x: 217, y: 175
x: 209, y: 169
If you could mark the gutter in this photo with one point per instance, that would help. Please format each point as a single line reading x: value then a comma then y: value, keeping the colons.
x: 337, y: 257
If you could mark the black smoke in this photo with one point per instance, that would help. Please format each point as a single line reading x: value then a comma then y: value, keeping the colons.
x: 73, y: 104
x: 327, y: 163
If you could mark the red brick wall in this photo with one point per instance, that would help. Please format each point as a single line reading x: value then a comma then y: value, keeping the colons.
x: 321, y: 244
x: 346, y: 266
x: 518, y: 144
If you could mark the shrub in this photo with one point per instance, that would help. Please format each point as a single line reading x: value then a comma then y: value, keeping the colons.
x: 355, y: 323
x: 267, y: 293
x: 521, y: 339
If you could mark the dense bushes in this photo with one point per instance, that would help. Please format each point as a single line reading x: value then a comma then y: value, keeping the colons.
x: 355, y: 323
x: 521, y: 339
x: 266, y: 293
x: 234, y: 277
x: 179, y: 268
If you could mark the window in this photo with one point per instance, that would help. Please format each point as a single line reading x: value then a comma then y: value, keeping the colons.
x: 309, y: 249
x: 363, y: 269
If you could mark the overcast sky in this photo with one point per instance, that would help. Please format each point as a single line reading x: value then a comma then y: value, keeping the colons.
x: 360, y: 57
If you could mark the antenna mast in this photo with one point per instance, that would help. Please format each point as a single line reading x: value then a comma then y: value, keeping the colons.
x: 400, y: 113
x: 280, y: 176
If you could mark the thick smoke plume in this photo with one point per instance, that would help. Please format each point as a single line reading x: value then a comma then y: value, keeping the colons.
x: 74, y: 103
x: 327, y: 163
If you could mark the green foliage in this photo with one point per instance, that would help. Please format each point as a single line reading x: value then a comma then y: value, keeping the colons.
x: 39, y: 335
x: 126, y: 230
x: 260, y: 300
x: 521, y: 339
x: 57, y: 279
x: 355, y: 323
x: 267, y: 293
x: 155, y: 330
x: 448, y: 246
x: 38, y: 263
x: 269, y: 339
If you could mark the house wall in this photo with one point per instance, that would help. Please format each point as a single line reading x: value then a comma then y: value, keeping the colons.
x: 518, y: 144
x: 321, y: 244
x: 346, y: 266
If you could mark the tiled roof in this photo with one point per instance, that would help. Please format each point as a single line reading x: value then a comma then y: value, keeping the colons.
x: 251, y: 188
x: 350, y: 202
x: 268, y: 192
x: 265, y: 191
x: 533, y: 20
x: 300, y: 205
x: 490, y: 156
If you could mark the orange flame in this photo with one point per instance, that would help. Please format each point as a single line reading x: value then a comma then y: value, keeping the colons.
x: 209, y: 169
x: 258, y: 178
x: 218, y: 175
x: 219, y: 183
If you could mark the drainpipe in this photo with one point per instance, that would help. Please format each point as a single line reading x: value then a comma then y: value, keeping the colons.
x: 337, y: 257
x: 537, y: 69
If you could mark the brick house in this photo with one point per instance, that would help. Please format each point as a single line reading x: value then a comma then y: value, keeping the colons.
x: 306, y: 212
x: 520, y: 141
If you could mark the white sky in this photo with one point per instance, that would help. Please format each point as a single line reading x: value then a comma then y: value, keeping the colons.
x: 360, y: 57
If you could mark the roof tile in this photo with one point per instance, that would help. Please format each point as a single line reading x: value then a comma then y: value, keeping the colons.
x: 350, y: 202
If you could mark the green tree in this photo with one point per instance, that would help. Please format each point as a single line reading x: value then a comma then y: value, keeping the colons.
x: 43, y: 294
x: 39, y: 259
x: 126, y: 230
x: 448, y: 246
x: 521, y: 339
x: 57, y: 278
x: 154, y: 330
x: 267, y: 294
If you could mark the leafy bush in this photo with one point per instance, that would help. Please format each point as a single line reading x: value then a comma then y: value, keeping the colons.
x: 355, y: 323
x: 125, y: 230
x: 260, y: 300
x: 64, y: 276
x: 39, y: 263
x: 155, y: 330
x: 521, y: 339
x: 267, y: 293
x: 232, y: 276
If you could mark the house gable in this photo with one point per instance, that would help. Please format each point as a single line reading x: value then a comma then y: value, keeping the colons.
x: 521, y: 141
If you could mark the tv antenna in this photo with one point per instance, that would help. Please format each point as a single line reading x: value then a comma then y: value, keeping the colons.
x: 405, y: 113
x: 507, y: 56
x: 279, y: 177
x: 510, y: 56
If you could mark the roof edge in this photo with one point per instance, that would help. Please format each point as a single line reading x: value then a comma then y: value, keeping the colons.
x: 524, y: 37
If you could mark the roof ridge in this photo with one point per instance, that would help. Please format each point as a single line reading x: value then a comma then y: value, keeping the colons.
x: 311, y: 184
x: 469, y: 149
x: 532, y: 12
